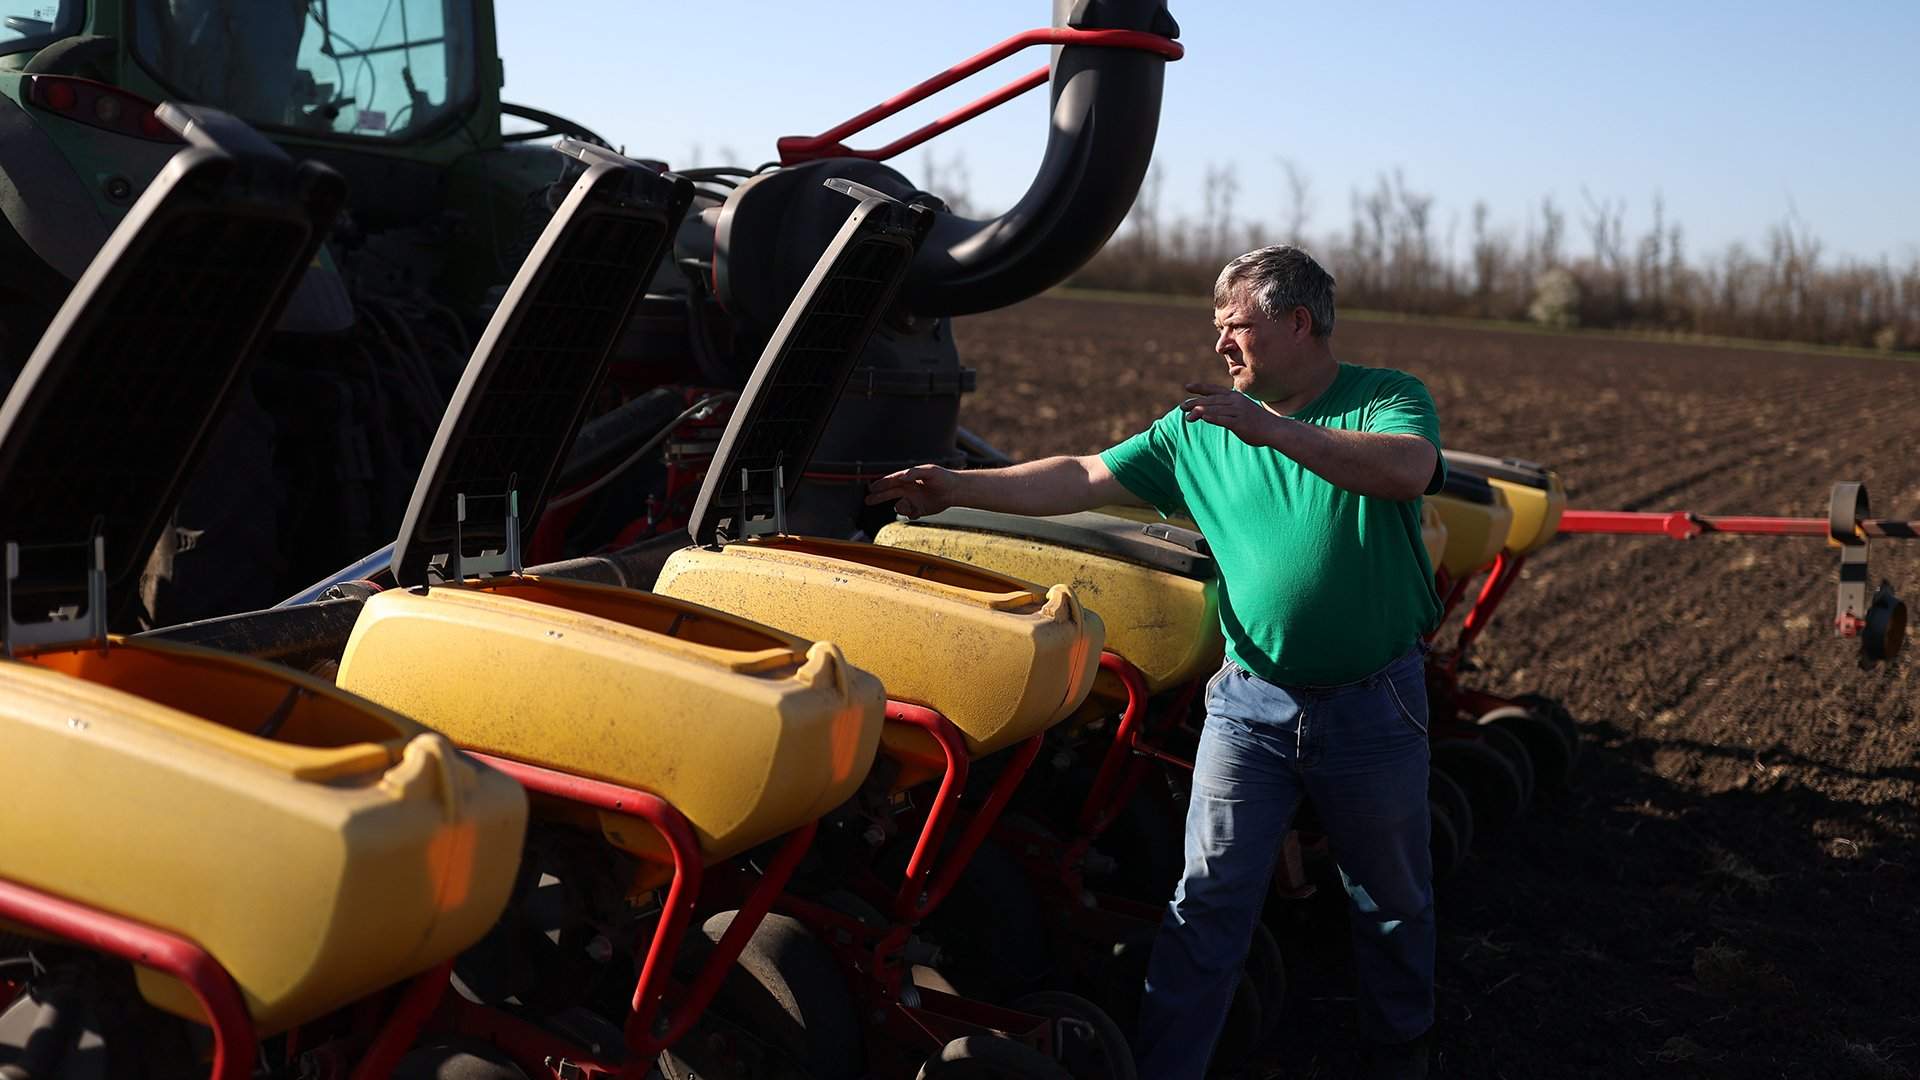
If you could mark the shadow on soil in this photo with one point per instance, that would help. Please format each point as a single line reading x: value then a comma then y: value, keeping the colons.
x: 1631, y: 927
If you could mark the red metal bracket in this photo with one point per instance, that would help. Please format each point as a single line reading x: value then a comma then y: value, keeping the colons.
x: 795, y: 149
x: 234, y: 1040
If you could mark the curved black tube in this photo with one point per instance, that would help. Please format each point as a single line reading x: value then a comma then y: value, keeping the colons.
x: 1106, y: 113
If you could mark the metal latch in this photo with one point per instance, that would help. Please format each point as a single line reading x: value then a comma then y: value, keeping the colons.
x: 66, y: 625
x: 456, y: 567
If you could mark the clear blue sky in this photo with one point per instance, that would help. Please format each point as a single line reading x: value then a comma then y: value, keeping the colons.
x: 1733, y: 112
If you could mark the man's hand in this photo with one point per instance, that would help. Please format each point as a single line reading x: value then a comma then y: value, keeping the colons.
x: 1230, y: 409
x: 916, y: 492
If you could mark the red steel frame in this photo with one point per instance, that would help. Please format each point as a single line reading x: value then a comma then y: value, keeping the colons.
x: 650, y: 1027
x: 795, y: 149
x: 914, y: 1020
x: 235, y: 1041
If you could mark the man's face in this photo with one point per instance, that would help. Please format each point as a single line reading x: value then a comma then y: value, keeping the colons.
x: 1255, y: 347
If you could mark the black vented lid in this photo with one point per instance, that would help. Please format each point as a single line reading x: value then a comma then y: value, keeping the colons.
x: 1513, y: 469
x: 112, y: 411
x: 796, y: 384
x: 1157, y: 545
x: 527, y: 388
x: 1467, y: 486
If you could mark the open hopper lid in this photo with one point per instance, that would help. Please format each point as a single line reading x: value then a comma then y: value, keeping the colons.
x: 526, y: 390
x: 1467, y: 485
x: 1515, y: 470
x: 1156, y: 545
x: 794, y: 387
x: 114, y: 408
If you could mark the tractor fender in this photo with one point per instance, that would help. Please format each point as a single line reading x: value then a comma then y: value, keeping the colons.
x: 50, y: 206
x: 44, y: 199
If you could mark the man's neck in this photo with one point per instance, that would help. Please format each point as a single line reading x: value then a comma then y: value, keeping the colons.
x: 1327, y: 371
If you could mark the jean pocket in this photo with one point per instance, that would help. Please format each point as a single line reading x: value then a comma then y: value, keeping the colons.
x: 1408, y: 689
x: 1226, y: 668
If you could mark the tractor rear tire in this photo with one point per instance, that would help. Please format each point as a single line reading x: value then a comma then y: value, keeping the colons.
x: 990, y: 1057
x: 1445, y: 790
x: 786, y: 991
x: 1546, y: 744
x: 1086, y: 1040
x: 1494, y: 789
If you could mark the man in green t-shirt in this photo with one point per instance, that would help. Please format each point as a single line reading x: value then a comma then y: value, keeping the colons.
x: 1306, y: 476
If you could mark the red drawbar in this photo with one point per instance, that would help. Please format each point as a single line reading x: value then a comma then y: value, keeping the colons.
x: 234, y: 1041
x: 798, y: 148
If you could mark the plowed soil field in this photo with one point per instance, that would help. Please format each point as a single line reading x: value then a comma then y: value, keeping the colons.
x: 1731, y: 886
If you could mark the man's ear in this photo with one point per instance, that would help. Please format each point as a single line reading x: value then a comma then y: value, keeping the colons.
x: 1302, y: 324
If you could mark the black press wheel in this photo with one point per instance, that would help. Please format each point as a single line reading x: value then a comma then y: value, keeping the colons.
x: 990, y: 1057
x: 1240, y: 1035
x: 1493, y: 788
x: 1267, y: 967
x: 1546, y: 744
x: 1508, y: 746
x: 1558, y: 714
x: 783, y: 1011
x: 1443, y: 789
x: 1443, y: 842
x: 1085, y: 1039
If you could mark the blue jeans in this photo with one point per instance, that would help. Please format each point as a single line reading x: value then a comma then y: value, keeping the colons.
x: 1359, y: 751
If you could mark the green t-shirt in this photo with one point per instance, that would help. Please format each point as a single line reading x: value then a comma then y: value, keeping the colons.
x: 1318, y: 585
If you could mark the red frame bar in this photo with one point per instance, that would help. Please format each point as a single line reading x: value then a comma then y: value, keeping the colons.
x: 644, y: 1039
x: 1506, y: 569
x: 403, y: 1025
x: 798, y: 148
x: 234, y: 1042
x: 1102, y: 802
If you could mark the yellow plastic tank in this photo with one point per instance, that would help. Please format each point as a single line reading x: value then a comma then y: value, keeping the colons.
x: 1001, y: 658
x: 747, y: 731
x: 1534, y: 492
x: 318, y: 846
x: 1433, y: 532
x: 1165, y: 624
x: 1477, y: 518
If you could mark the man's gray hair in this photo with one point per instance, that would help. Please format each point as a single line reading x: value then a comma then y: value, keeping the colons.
x: 1280, y: 278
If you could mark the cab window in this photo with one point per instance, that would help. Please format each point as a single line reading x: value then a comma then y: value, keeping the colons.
x: 380, y: 69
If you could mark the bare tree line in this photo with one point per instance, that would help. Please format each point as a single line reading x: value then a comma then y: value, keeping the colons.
x: 1393, y: 255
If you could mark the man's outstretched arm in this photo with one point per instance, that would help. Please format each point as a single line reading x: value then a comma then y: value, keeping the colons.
x: 1055, y: 485
x: 1384, y: 466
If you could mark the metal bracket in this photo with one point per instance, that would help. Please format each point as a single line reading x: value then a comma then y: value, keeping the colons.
x: 779, y: 471
x: 59, y: 628
x: 1879, y: 620
x: 505, y: 561
x: 1844, y: 512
